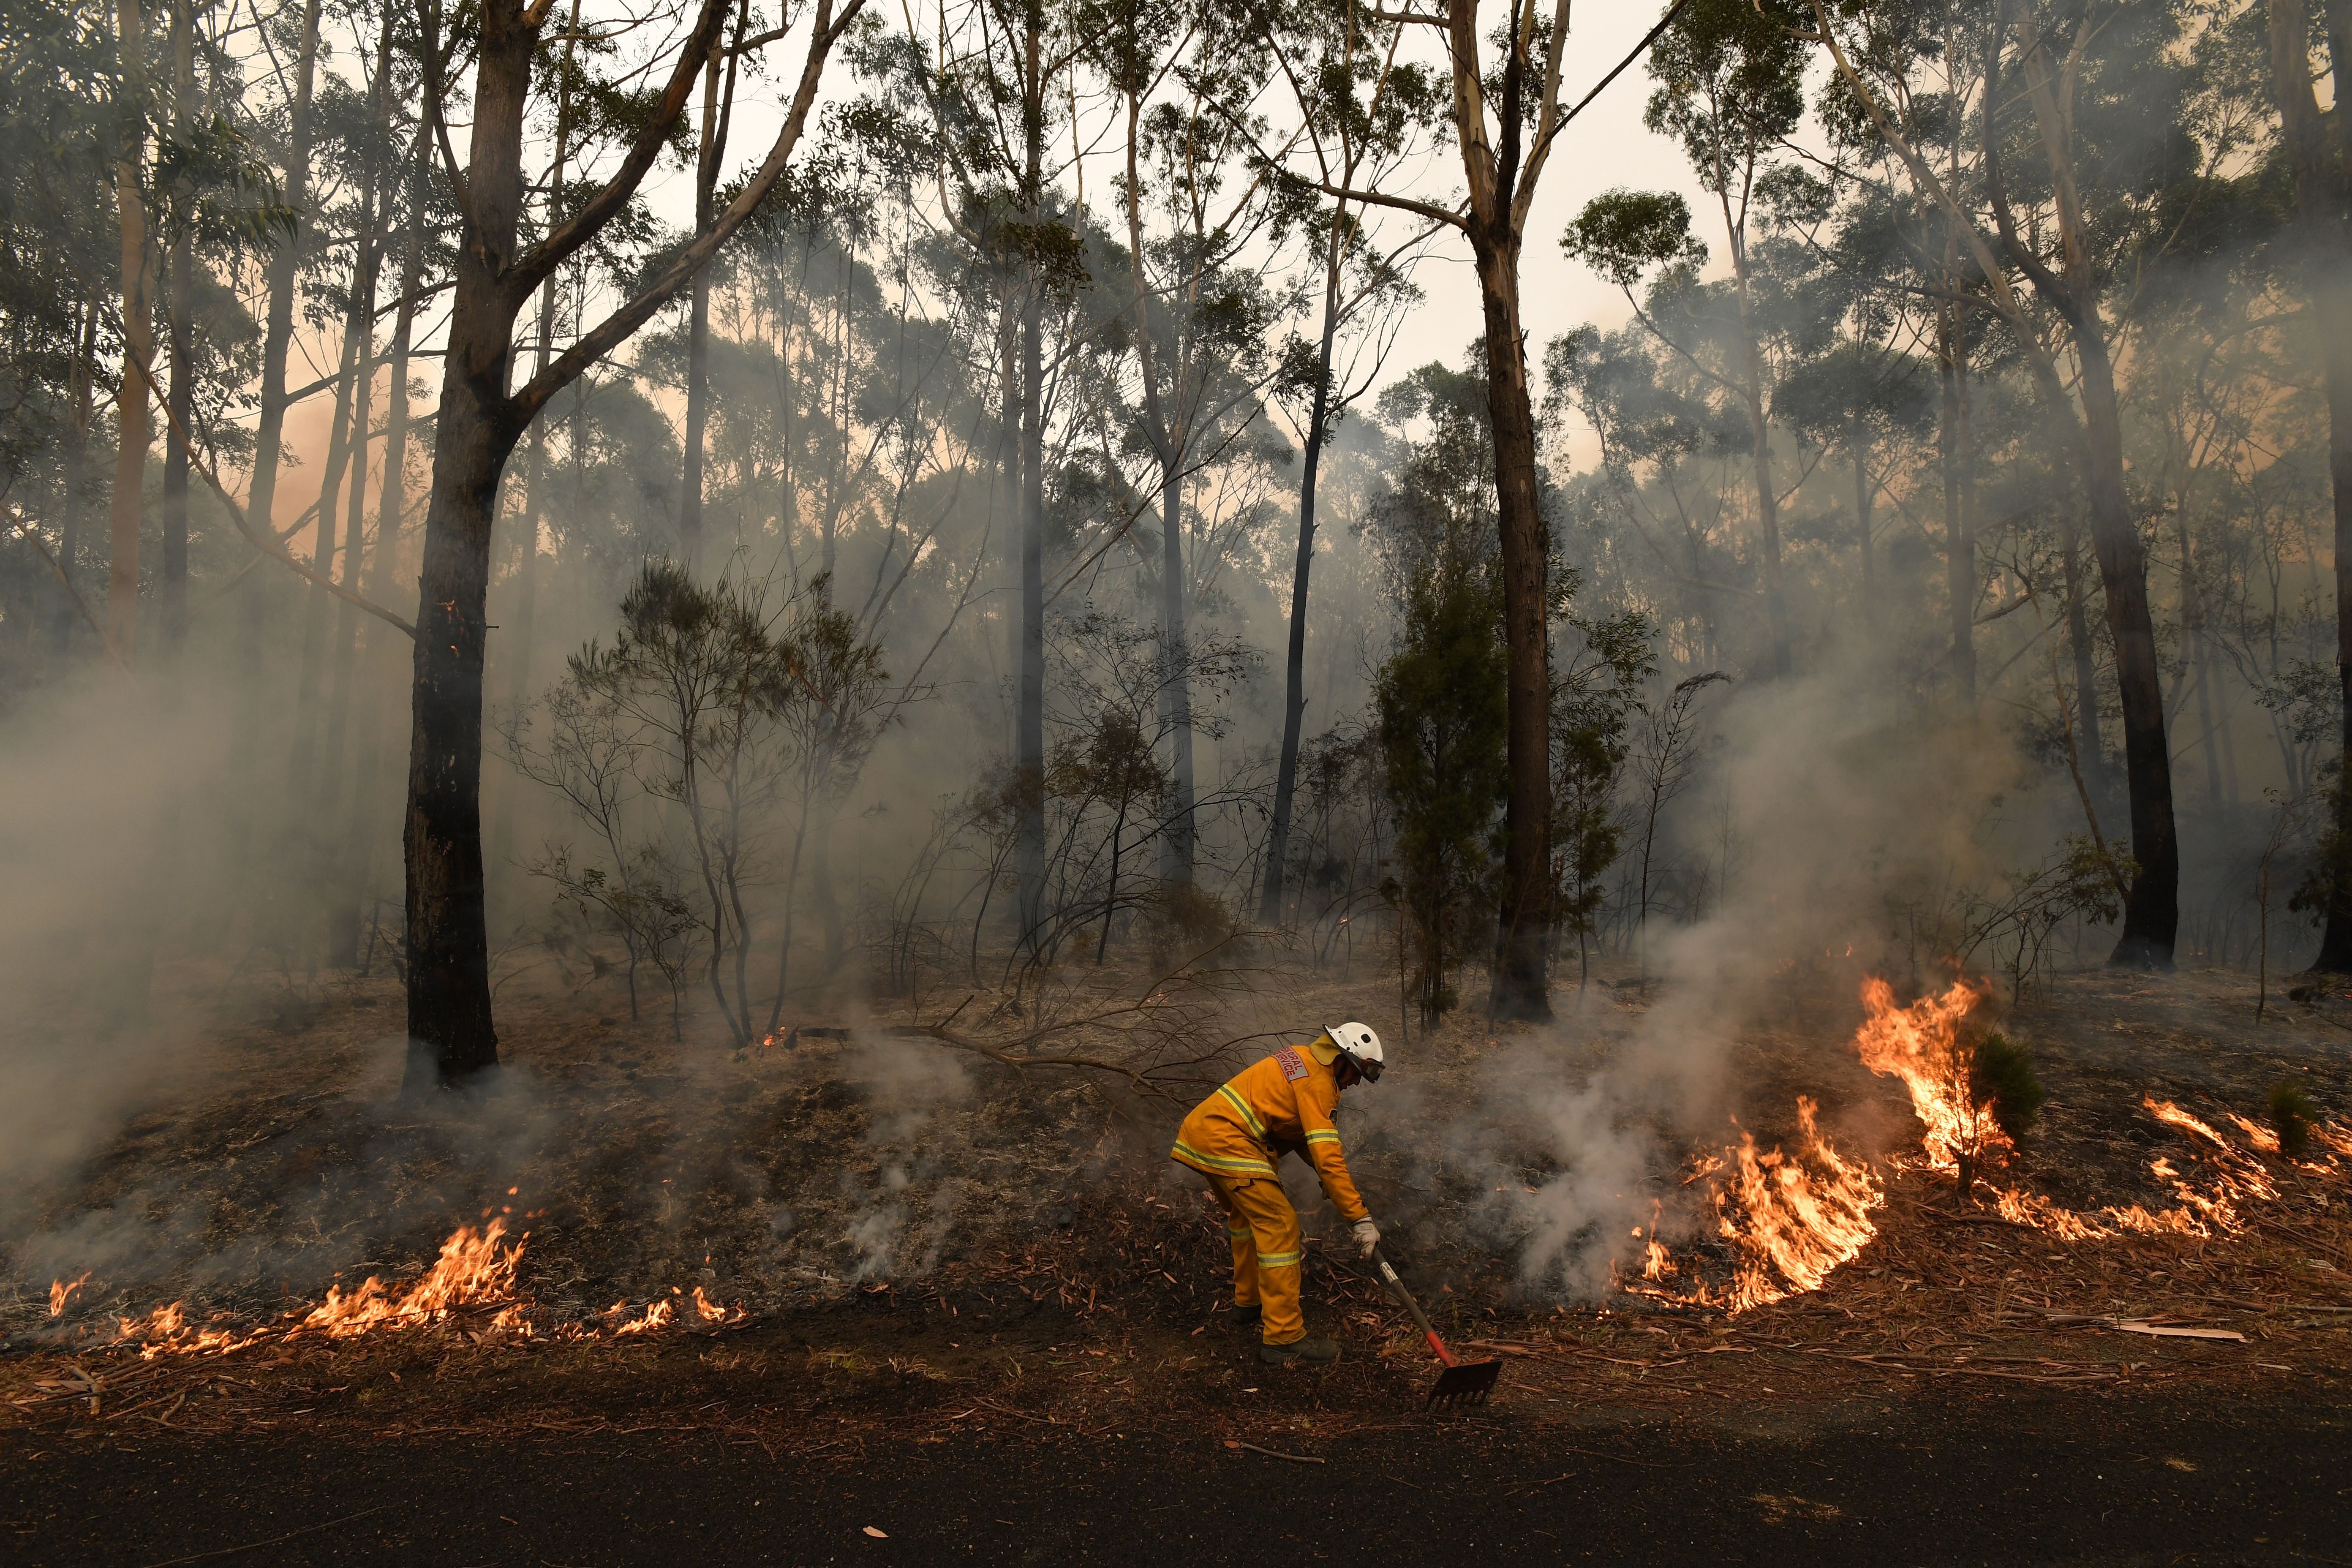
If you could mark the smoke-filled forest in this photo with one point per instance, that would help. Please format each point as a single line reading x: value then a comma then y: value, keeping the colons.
x: 687, y: 647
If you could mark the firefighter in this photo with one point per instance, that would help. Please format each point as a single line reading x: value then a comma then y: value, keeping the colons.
x: 1281, y: 1106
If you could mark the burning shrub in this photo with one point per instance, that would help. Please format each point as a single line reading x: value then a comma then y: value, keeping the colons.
x: 2002, y: 1072
x: 2291, y: 1116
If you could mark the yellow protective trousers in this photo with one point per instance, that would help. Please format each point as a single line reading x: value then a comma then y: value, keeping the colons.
x: 1264, y: 1229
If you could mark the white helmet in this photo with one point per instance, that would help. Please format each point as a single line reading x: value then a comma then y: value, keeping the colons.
x: 1361, y: 1046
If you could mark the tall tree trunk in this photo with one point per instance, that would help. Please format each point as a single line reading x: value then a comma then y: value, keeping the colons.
x: 82, y: 390
x: 1768, y: 502
x: 1523, y: 942
x: 711, y: 150
x: 477, y: 426
x: 2323, y: 186
x: 2152, y: 908
x: 1294, y: 691
x: 345, y: 433
x: 2087, y: 716
x: 2152, y: 911
x: 1176, y: 858
x: 1952, y: 445
x: 359, y: 845
x: 1029, y: 717
x: 253, y: 593
x: 129, y: 501
x: 521, y: 627
x: 179, y: 298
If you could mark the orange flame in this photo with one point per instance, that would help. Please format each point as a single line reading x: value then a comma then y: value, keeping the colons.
x: 657, y: 1317
x: 1793, y: 1224
x: 1921, y: 1044
x: 61, y: 1292
x: 473, y: 1270
x: 1793, y: 1218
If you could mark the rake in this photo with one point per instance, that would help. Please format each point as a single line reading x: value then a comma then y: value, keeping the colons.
x: 1462, y: 1382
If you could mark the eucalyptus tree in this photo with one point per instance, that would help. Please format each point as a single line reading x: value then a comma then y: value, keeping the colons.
x: 1358, y: 106
x: 1505, y: 122
x: 2100, y: 94
x: 2318, y: 149
x: 1186, y: 78
x: 478, y: 423
x: 997, y: 92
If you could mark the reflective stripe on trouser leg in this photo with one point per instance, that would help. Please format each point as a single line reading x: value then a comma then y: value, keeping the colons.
x: 1237, y: 1231
x: 1275, y: 1241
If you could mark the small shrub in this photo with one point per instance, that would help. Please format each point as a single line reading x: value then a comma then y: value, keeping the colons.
x: 2292, y: 1114
x: 2003, y: 1073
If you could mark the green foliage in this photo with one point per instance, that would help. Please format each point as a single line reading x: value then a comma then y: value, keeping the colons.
x: 1731, y: 75
x: 2292, y: 1115
x: 1622, y: 234
x: 2001, y: 1071
x: 1442, y: 726
x: 1595, y: 689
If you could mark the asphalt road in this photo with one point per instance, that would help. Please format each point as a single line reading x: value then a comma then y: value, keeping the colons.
x: 2007, y: 1482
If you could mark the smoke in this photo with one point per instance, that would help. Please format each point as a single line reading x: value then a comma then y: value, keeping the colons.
x: 1822, y: 815
x: 897, y: 1227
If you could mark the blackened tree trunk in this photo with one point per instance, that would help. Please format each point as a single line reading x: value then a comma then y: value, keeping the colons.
x: 452, y: 1034
x: 2152, y: 907
x: 2322, y: 194
x: 1503, y: 158
x: 1523, y: 945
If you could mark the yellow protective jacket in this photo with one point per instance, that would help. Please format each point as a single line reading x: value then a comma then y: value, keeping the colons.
x: 1283, y: 1104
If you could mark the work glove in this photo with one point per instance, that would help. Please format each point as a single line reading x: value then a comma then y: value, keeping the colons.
x: 1367, y: 1235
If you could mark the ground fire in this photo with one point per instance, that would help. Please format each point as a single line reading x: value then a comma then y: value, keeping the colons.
x: 1789, y: 1217
x: 475, y: 1276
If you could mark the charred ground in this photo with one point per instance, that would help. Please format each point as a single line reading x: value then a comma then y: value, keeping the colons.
x: 933, y: 1247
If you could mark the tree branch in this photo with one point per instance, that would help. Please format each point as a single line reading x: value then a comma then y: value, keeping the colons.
x: 614, y: 330
x: 533, y: 268
x: 1402, y: 203
x: 262, y: 541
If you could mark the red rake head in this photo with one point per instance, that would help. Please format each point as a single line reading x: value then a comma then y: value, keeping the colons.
x: 1468, y: 1384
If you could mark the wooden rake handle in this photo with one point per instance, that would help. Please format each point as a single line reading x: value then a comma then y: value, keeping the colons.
x: 1419, y: 1317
